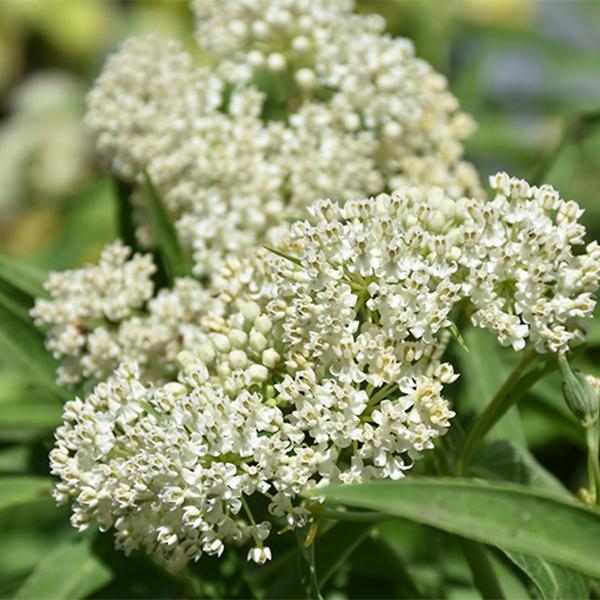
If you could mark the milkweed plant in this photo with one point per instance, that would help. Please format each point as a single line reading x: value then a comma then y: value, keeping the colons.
x: 276, y: 347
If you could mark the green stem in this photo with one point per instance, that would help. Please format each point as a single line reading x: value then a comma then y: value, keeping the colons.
x: 593, y: 443
x: 309, y: 572
x: 500, y: 403
x: 379, y: 395
x: 484, y: 576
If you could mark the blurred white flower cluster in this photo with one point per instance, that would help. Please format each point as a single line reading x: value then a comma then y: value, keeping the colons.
x: 321, y: 362
x: 44, y: 150
x: 288, y: 102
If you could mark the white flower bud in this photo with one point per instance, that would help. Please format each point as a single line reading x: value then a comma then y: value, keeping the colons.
x: 238, y: 359
x: 392, y: 130
x: 186, y: 359
x: 250, y: 310
x: 220, y: 342
x: 238, y: 338
x: 258, y: 342
x: 306, y: 79
x: 351, y: 121
x: 301, y: 44
x: 175, y: 389
x: 256, y: 59
x: 260, y: 29
x: 258, y: 373
x: 238, y: 28
x: 263, y: 324
x: 206, y: 353
x: 270, y: 358
x: 276, y: 62
x: 224, y: 369
x: 437, y: 221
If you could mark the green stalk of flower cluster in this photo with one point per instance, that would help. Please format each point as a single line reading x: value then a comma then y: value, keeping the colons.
x: 593, y: 446
x: 582, y: 400
x: 499, y: 405
x: 484, y: 576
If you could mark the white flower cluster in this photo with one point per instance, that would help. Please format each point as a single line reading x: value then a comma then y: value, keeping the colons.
x: 175, y: 468
x: 321, y: 362
x: 101, y: 315
x: 304, y: 100
x: 531, y: 281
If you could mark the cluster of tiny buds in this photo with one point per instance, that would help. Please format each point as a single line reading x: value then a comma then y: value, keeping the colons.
x: 239, y: 353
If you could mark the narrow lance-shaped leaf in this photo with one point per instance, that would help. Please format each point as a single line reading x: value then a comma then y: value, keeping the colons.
x: 174, y: 260
x: 508, y: 461
x: 37, y: 414
x: 15, y: 491
x: 125, y: 210
x: 70, y: 571
x: 552, y: 581
x: 22, y: 343
x: 23, y: 277
x: 332, y: 547
x: 19, y: 310
x: 510, y: 516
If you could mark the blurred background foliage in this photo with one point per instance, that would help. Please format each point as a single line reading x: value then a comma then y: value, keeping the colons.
x: 528, y: 71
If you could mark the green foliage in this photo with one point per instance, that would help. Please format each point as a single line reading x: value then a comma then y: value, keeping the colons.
x: 513, y: 517
x: 173, y: 261
x: 16, y: 491
x: 22, y: 346
x: 553, y: 582
x: 69, y: 572
x: 23, y: 277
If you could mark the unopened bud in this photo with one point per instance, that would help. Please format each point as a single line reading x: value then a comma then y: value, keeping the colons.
x: 258, y: 342
x: 186, y: 359
x: 238, y: 359
x: 270, y: 358
x: 263, y: 324
x: 238, y: 338
x: 580, y: 396
x: 258, y: 373
x: 206, y: 353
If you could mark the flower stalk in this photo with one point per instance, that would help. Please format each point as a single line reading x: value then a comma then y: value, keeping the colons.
x: 495, y: 410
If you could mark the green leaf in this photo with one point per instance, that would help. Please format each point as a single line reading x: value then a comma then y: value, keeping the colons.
x: 513, y: 517
x: 308, y: 573
x: 70, y: 571
x: 14, y: 459
x: 41, y: 414
x: 125, y: 210
x: 484, y: 370
x: 23, y: 490
x: 552, y: 581
x: 22, y: 345
x: 335, y: 547
x: 23, y: 277
x: 376, y: 559
x: 508, y: 461
x: 174, y: 260
x: 332, y: 547
x: 18, y: 309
